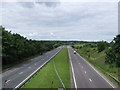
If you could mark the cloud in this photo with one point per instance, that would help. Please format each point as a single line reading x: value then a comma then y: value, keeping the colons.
x: 62, y: 20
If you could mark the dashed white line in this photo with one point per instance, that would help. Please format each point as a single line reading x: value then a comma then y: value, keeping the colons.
x: 29, y: 67
x: 21, y: 73
x: 85, y: 72
x: 82, y: 66
x: 90, y: 79
x: 7, y: 81
x: 35, y: 71
x: 97, y: 72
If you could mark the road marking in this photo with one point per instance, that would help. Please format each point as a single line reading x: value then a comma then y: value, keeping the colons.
x: 36, y: 70
x: 7, y: 81
x: 21, y: 73
x: 85, y: 72
x: 72, y: 70
x: 29, y: 67
x: 97, y: 72
x: 79, y: 63
x: 82, y: 66
x: 90, y: 80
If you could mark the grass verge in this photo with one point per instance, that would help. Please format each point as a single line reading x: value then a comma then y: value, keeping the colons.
x: 47, y: 78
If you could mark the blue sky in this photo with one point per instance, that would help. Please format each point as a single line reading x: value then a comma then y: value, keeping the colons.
x: 91, y: 21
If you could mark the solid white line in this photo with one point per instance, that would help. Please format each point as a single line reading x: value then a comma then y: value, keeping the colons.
x: 90, y: 79
x: 97, y: 71
x: 35, y: 71
x: 72, y: 70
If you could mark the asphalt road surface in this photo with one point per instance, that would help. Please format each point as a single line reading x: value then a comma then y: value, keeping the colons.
x: 11, y: 78
x: 84, y: 75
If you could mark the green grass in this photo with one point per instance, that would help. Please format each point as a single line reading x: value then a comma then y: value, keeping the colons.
x: 47, y: 75
x: 98, y: 60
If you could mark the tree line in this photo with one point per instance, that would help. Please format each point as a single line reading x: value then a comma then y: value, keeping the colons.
x: 16, y: 47
x: 112, y: 50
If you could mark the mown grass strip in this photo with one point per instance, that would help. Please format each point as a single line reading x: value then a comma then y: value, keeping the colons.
x: 47, y: 78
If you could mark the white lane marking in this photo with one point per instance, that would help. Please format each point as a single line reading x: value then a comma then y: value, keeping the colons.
x: 7, y: 81
x: 90, y: 79
x: 29, y: 67
x: 97, y: 71
x: 85, y: 72
x: 79, y: 63
x: 82, y: 66
x: 36, y: 70
x: 21, y: 73
x: 72, y: 70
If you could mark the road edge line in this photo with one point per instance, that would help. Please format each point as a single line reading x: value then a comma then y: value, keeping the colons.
x: 97, y: 71
x: 35, y: 71
x: 72, y: 70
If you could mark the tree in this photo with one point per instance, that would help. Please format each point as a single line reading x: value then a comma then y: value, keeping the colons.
x: 113, y: 53
x: 101, y: 46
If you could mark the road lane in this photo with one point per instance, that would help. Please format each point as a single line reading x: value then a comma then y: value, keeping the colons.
x: 85, y: 75
x: 17, y: 74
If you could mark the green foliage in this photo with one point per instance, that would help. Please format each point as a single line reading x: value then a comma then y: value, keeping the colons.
x: 101, y: 46
x: 16, y: 47
x: 113, y: 53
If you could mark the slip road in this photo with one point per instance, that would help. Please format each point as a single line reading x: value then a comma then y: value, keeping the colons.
x: 13, y: 77
x: 84, y: 75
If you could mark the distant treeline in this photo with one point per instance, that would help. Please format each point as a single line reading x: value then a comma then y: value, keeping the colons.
x: 15, y: 48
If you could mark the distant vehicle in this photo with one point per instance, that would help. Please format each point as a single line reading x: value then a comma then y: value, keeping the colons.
x: 74, y: 52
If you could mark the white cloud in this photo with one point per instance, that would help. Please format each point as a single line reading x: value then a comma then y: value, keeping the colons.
x: 80, y: 21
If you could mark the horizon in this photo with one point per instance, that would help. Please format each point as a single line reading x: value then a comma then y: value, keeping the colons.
x: 82, y: 21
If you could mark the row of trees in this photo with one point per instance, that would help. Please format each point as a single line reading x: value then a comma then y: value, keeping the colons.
x: 113, y: 52
x: 16, y: 47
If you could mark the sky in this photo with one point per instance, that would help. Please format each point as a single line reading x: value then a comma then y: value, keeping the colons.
x: 83, y: 21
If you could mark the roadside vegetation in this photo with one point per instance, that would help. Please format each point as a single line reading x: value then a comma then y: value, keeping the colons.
x: 47, y: 78
x: 16, y: 48
x: 104, y: 56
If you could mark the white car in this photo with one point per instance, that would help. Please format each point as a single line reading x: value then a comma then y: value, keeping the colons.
x: 74, y: 52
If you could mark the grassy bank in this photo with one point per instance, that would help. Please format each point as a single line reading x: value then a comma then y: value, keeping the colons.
x: 97, y: 59
x: 47, y: 78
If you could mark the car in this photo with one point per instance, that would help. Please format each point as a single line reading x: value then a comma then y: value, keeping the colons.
x: 74, y: 52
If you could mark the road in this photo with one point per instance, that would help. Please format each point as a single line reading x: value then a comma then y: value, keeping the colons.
x: 84, y: 75
x: 20, y: 72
